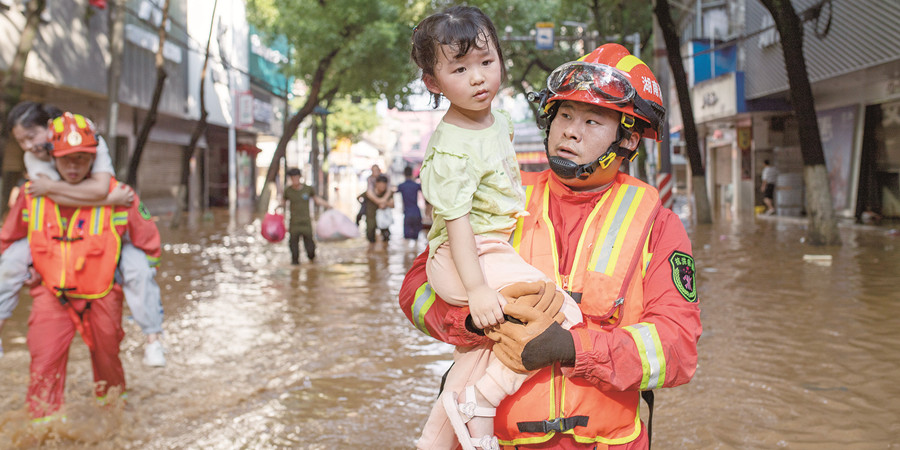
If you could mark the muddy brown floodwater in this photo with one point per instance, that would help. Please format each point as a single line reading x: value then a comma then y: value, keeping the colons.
x: 262, y: 354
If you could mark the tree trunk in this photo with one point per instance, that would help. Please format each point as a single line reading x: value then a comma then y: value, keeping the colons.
x: 11, y: 88
x: 190, y: 150
x: 315, y: 88
x: 116, y: 45
x: 150, y: 118
x: 325, y: 151
x: 702, y: 210
x: 822, y: 229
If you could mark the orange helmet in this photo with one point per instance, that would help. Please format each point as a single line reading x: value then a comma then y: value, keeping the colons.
x: 71, y: 133
x: 613, y: 78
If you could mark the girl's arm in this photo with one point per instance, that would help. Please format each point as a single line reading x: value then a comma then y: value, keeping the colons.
x: 485, y: 304
x: 388, y: 194
x: 380, y: 200
x: 370, y: 192
x: 93, y: 191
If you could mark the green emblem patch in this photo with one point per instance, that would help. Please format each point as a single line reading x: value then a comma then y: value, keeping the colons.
x: 143, y: 210
x: 683, y: 275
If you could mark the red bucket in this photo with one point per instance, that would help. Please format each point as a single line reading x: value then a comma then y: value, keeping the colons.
x: 273, y: 227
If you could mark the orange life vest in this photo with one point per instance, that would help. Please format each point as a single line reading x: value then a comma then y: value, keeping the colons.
x: 606, y: 281
x: 76, y: 256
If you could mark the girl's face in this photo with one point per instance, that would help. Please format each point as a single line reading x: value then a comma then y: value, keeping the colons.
x: 471, y: 81
x: 32, y: 139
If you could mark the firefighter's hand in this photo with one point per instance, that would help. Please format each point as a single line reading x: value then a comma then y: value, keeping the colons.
x: 542, y: 295
x: 538, y: 294
x: 538, y: 342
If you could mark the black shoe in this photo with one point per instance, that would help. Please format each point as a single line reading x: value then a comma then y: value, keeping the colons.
x: 295, y: 263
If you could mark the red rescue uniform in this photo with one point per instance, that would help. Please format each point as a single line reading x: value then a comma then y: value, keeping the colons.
x: 649, y: 342
x: 75, y: 250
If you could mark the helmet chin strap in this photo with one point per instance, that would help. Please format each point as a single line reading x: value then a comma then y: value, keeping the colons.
x: 568, y: 169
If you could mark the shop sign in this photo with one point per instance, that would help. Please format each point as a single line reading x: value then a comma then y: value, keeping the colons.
x: 719, y: 97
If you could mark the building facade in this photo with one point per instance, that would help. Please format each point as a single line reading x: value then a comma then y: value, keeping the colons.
x: 741, y: 100
x: 68, y: 67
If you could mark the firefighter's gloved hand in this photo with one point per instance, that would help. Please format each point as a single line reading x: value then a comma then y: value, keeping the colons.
x: 545, y: 299
x: 538, y: 342
x: 527, y: 293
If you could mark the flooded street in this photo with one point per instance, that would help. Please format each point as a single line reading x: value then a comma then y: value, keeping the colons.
x: 262, y: 354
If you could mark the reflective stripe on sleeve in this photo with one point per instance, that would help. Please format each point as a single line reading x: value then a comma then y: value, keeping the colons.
x: 153, y: 261
x: 649, y: 348
x: 120, y: 218
x: 424, y: 299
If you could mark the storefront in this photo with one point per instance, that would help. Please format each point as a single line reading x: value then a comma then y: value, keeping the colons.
x: 721, y: 116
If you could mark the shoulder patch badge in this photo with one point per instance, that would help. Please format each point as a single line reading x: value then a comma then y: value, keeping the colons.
x: 143, y: 210
x: 683, y: 275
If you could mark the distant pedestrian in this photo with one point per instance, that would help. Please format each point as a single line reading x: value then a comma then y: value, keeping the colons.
x: 374, y: 209
x: 769, y: 176
x: 370, y: 192
x: 298, y: 195
x: 412, y: 215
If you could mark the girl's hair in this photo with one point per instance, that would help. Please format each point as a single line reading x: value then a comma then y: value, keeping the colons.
x: 31, y: 114
x: 460, y: 27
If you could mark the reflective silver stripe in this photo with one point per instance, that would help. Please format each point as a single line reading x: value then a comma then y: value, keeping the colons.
x: 424, y: 299
x: 652, y: 359
x: 609, y: 240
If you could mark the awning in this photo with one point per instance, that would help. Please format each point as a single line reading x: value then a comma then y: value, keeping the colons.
x: 251, y: 150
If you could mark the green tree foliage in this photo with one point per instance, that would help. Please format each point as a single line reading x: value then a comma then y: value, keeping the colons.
x: 368, y: 38
x: 604, y: 21
x: 341, y: 48
x: 350, y: 119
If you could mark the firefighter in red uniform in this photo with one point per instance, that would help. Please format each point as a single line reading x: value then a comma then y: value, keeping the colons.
x: 75, y: 252
x: 604, y: 237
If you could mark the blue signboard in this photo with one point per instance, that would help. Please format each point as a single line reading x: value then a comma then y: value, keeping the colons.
x: 268, y: 61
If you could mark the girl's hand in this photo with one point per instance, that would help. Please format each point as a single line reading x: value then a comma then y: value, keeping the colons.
x: 121, y: 195
x: 485, y: 306
x: 39, y: 186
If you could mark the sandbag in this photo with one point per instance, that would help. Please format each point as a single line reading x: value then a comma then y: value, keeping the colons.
x: 273, y: 227
x: 334, y: 226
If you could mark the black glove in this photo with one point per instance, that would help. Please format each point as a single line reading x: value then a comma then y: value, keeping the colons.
x: 538, y: 343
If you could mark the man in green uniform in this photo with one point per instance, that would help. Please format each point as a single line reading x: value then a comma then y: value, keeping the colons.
x: 299, y: 194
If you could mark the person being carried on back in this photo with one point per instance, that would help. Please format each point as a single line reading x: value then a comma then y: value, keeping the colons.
x: 28, y: 123
x: 76, y: 251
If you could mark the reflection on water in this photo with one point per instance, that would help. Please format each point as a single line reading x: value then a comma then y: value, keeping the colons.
x: 262, y: 354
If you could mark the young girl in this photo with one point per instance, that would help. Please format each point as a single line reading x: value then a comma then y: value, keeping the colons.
x: 471, y: 177
x: 28, y: 123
